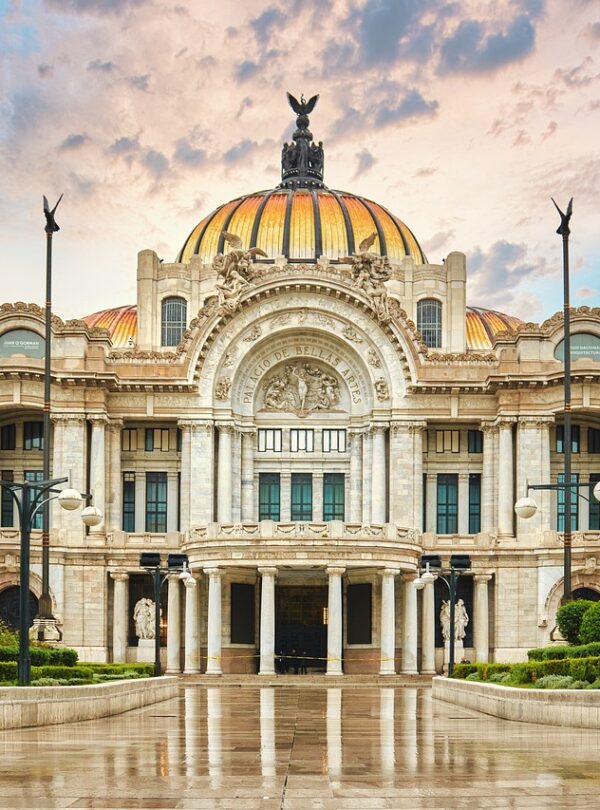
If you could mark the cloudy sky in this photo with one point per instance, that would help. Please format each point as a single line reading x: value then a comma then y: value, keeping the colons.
x: 463, y: 118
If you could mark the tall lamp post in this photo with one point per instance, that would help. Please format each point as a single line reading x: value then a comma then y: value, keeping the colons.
x: 432, y: 563
x: 176, y: 563
x: 45, y: 603
x: 29, y: 499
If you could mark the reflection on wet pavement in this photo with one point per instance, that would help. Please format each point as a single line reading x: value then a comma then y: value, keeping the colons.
x: 300, y: 749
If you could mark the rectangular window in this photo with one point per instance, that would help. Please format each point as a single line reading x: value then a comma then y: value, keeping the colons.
x: 33, y: 476
x: 334, y: 441
x: 593, y: 440
x: 269, y: 440
x: 156, y: 502
x: 301, y: 496
x: 33, y: 436
x: 474, y: 503
x: 242, y: 613
x: 447, y: 503
x: 129, y: 439
x: 561, y: 501
x: 560, y: 438
x: 7, y: 437
x: 333, y: 496
x: 128, y: 502
x: 447, y: 441
x: 157, y: 439
x: 475, y: 441
x: 359, y: 611
x: 268, y: 496
x: 7, y: 518
x: 302, y: 440
x: 594, y: 521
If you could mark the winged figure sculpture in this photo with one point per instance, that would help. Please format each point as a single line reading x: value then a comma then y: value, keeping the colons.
x: 302, y: 107
x: 366, y: 243
x: 565, y: 218
x: 236, y: 244
x: 51, y: 226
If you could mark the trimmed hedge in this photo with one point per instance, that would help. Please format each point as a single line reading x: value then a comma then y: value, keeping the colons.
x: 580, y: 669
x: 564, y: 651
x: 41, y: 655
x: 83, y: 672
x: 589, y: 630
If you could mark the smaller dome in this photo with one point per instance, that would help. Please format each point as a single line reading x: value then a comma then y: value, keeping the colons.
x: 484, y: 324
x: 121, y: 323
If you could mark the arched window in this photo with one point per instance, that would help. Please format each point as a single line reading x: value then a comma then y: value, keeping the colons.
x: 173, y: 320
x: 429, y: 321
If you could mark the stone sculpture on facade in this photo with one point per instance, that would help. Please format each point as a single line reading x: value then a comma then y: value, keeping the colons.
x: 143, y: 616
x: 369, y: 272
x: 382, y: 390
x: 461, y: 620
x: 223, y: 388
x: 235, y: 272
x: 301, y: 389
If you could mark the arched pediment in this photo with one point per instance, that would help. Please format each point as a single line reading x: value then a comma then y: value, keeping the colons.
x: 309, y: 323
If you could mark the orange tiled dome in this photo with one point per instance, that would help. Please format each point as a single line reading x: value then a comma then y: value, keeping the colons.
x: 121, y: 323
x: 302, y: 224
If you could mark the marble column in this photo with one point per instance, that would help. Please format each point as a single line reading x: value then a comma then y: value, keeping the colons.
x: 172, y: 501
x: 114, y: 500
x: 409, y: 627
x: 488, y: 477
x: 356, y: 482
x: 428, y: 630
x: 173, y: 626
x: 367, y: 455
x: 267, y: 621
x: 533, y: 466
x: 388, y: 622
x: 416, y: 430
x: 98, y: 469
x: 192, y: 626
x: 248, y: 444
x: 334, y: 621
x: 505, y: 479
x: 224, y: 474
x: 481, y: 640
x: 72, y: 454
x: 379, y: 475
x: 120, y: 615
x: 463, y: 503
x: 213, y: 664
x: 186, y: 477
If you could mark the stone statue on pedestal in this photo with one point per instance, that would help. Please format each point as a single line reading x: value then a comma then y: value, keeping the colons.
x: 143, y: 616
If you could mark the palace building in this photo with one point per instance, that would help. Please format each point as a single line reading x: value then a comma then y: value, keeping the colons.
x: 303, y: 405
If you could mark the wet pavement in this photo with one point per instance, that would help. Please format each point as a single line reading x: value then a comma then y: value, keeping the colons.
x: 300, y: 749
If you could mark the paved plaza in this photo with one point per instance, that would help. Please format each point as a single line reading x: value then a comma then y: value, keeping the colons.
x: 300, y: 748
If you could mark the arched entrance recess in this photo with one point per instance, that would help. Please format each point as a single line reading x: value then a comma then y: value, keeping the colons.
x: 581, y: 583
x: 10, y: 606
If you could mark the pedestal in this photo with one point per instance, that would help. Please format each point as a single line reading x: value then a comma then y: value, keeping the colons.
x: 459, y: 652
x: 145, y: 651
x: 45, y: 630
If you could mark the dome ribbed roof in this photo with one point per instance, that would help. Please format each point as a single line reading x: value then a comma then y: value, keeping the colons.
x: 482, y: 325
x: 302, y: 225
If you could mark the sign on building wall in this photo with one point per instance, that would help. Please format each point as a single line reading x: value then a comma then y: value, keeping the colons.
x: 22, y: 341
x: 583, y: 344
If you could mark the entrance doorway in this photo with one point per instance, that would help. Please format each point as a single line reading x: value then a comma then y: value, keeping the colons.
x: 301, y: 626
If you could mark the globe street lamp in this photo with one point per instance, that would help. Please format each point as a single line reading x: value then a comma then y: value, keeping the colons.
x: 150, y: 560
x: 30, y: 498
x: 458, y: 564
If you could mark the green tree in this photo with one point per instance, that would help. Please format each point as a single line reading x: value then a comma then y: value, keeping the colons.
x: 590, y: 624
x: 569, y: 617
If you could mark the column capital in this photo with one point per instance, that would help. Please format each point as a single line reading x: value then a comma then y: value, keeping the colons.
x: 98, y: 419
x: 378, y: 427
x: 480, y: 577
x: 214, y: 572
x: 488, y: 427
x: 119, y: 576
x: 115, y: 425
x: 247, y: 432
x: 354, y: 432
x: 335, y: 570
x: 408, y: 426
x: 504, y: 422
x: 389, y: 572
x: 409, y: 576
x: 194, y: 425
x: 68, y: 417
x: 173, y: 576
x: 225, y: 427
x: 535, y: 421
x: 267, y: 571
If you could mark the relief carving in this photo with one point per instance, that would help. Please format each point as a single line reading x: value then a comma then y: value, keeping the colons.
x: 301, y: 389
x: 374, y: 359
x: 351, y: 333
x: 381, y: 389
x: 223, y: 388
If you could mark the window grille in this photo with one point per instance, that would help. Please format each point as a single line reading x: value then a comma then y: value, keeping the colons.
x: 173, y: 320
x: 429, y: 321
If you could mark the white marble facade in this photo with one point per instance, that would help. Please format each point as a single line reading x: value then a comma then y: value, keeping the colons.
x: 302, y: 357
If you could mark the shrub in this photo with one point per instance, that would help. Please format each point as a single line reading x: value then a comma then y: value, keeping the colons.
x: 569, y: 618
x: 474, y: 676
x: 41, y: 655
x: 578, y: 685
x: 594, y: 685
x: 590, y: 624
x: 45, y: 682
x: 554, y: 682
x: 8, y: 670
